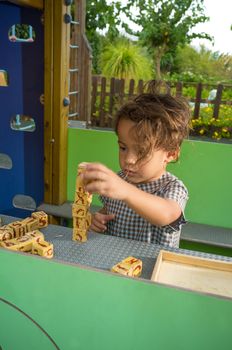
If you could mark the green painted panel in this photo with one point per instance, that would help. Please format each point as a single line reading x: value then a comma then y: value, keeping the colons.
x: 19, y: 331
x: 205, y: 168
x: 207, y: 248
x: 92, y: 310
x: 90, y: 146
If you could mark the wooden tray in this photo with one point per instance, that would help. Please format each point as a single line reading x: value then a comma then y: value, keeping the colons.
x: 194, y: 273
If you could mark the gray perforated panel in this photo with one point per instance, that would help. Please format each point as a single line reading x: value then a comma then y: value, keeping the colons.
x: 103, y: 251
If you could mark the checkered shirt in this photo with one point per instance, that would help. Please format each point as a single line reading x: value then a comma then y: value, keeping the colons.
x: 128, y: 224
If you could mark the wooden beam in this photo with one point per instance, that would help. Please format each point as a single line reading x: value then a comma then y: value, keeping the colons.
x: 39, y: 4
x: 48, y: 104
x: 61, y: 37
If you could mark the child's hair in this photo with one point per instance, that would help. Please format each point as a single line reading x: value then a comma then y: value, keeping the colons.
x: 161, y: 120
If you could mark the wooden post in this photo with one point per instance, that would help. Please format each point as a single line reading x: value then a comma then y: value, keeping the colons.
x: 140, y: 87
x: 121, y: 91
x: 111, y: 98
x: 48, y: 103
x: 94, y: 100
x: 217, y: 101
x: 179, y: 88
x: 102, y: 102
x: 131, y: 88
x: 168, y: 87
x: 198, y: 101
x: 61, y: 35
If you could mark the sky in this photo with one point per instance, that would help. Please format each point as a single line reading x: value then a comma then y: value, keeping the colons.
x: 220, y: 13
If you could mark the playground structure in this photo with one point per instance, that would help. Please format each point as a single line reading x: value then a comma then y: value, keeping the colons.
x: 40, y: 81
x: 59, y: 304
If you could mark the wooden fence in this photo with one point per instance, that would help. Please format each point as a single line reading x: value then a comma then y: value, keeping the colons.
x: 108, y: 95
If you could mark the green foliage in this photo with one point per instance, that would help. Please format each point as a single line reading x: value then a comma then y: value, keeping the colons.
x: 124, y: 60
x: 101, y: 16
x: 191, y: 65
x: 165, y: 24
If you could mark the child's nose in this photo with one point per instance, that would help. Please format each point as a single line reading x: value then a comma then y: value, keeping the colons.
x: 131, y: 159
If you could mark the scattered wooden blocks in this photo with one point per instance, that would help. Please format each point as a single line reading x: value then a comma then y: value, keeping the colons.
x: 129, y: 267
x: 24, y: 235
x: 24, y: 243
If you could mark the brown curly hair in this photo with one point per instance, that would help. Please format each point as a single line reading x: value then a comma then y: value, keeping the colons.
x: 161, y: 120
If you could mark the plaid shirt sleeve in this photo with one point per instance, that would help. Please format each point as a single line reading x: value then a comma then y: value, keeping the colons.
x: 177, y: 191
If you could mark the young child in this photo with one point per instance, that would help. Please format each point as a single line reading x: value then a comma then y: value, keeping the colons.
x: 143, y: 201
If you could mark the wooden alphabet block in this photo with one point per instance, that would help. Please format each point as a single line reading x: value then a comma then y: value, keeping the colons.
x: 79, y: 223
x: 18, y: 228
x: 42, y: 217
x: 6, y: 233
x: 79, y: 235
x: 82, y: 198
x: 30, y: 223
x: 129, y: 267
x: 43, y: 248
x: 79, y: 211
x: 88, y: 220
x: 24, y: 245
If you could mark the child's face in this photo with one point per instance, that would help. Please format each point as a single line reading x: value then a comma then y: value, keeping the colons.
x: 146, y: 169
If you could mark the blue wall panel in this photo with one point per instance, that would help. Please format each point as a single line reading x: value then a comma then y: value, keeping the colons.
x: 24, y: 65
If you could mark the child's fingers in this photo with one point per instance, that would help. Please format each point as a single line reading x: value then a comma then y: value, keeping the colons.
x: 100, y: 220
x: 103, y: 218
x: 95, y: 187
x: 96, y: 229
x: 94, y: 175
x: 109, y: 217
x: 95, y: 166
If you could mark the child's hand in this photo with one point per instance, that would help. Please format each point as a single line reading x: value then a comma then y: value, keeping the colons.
x: 99, y: 179
x: 99, y: 221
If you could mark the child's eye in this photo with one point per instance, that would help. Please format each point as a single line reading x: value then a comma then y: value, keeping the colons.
x: 122, y: 148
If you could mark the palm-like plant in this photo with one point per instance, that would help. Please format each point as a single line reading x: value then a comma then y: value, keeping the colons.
x: 125, y: 60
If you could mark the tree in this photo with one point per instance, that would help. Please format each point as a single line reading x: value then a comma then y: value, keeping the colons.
x: 125, y: 60
x: 100, y: 15
x: 165, y: 24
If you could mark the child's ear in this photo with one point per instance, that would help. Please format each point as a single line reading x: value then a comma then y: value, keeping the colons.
x: 173, y: 155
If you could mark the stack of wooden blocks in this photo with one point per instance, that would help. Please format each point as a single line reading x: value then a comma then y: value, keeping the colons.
x: 80, y: 208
